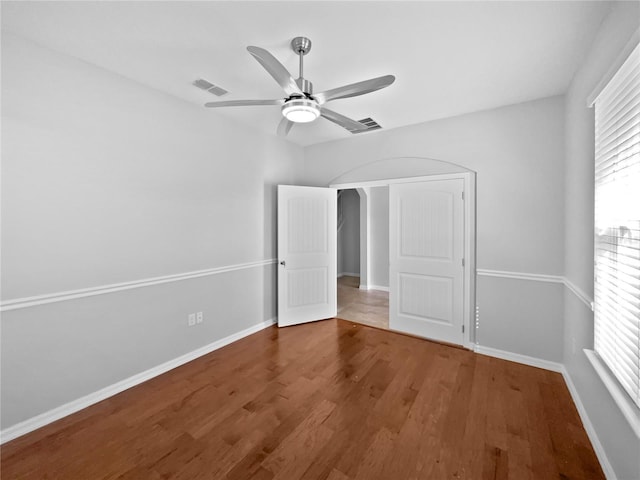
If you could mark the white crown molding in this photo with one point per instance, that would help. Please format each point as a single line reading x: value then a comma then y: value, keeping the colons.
x: 57, y: 413
x: 25, y: 302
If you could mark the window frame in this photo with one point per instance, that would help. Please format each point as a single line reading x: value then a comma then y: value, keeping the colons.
x: 622, y: 398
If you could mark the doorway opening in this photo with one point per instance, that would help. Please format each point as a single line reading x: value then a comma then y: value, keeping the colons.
x: 363, y: 255
x: 430, y: 276
x: 429, y: 262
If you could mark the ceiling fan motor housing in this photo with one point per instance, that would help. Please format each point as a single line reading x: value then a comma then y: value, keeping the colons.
x: 305, y: 85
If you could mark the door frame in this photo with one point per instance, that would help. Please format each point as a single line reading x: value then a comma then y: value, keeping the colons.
x: 469, y: 282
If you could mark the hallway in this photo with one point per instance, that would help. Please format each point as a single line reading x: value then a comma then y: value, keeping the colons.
x: 369, y: 307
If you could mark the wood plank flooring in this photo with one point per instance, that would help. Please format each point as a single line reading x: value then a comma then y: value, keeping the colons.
x: 330, y: 400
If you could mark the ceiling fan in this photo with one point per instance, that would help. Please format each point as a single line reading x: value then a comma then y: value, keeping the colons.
x: 301, y: 105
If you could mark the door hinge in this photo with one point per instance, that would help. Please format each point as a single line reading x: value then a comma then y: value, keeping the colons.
x: 463, y: 194
x: 462, y: 328
x: 463, y: 262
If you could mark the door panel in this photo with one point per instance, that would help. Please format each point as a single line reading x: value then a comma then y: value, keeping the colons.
x: 306, y: 254
x: 425, y: 297
x: 307, y: 286
x: 426, y: 239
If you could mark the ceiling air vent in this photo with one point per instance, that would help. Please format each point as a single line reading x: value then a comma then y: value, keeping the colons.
x: 203, y: 84
x: 370, y: 123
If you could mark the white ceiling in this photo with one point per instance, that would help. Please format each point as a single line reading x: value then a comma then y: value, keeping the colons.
x: 449, y: 58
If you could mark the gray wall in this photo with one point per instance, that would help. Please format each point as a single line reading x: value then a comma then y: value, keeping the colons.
x: 379, y: 241
x: 107, y: 181
x: 517, y: 152
x: 349, y: 234
x: 618, y: 440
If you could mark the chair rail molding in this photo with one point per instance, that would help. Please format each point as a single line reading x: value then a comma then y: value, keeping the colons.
x: 539, y: 277
x: 26, y: 302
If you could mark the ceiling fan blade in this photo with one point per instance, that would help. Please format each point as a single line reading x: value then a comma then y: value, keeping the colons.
x: 284, y: 126
x: 276, y: 70
x: 244, y: 103
x: 355, y: 89
x: 343, y: 121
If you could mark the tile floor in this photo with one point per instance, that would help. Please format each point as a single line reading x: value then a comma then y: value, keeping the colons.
x: 369, y: 307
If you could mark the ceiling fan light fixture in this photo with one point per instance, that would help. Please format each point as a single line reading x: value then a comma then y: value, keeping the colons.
x: 301, y: 110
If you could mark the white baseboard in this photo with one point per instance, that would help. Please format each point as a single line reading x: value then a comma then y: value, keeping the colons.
x: 518, y: 358
x: 560, y: 368
x: 588, y: 426
x: 348, y: 274
x: 67, y: 409
x: 374, y: 287
x: 378, y: 287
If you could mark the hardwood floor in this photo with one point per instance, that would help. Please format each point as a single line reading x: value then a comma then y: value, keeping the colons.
x: 329, y: 400
x: 369, y: 307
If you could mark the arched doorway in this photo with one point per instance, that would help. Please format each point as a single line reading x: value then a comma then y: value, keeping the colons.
x: 372, y: 179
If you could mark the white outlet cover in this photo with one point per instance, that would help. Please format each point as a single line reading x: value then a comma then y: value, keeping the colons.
x: 192, y: 319
x: 199, y: 317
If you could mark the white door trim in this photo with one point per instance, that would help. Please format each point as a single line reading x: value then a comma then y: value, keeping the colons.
x: 365, y: 232
x: 386, y: 182
x: 469, y: 281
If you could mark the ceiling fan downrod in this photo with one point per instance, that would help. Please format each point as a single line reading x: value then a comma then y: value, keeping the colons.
x: 301, y: 46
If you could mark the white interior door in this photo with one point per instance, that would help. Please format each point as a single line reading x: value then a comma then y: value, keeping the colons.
x: 426, y: 247
x: 307, y: 218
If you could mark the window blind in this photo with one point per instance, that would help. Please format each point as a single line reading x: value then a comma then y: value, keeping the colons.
x: 617, y: 225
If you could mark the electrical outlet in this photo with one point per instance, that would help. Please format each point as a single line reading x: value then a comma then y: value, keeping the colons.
x: 199, y: 317
x: 192, y: 319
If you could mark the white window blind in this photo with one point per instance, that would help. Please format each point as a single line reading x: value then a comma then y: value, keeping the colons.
x: 617, y: 225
